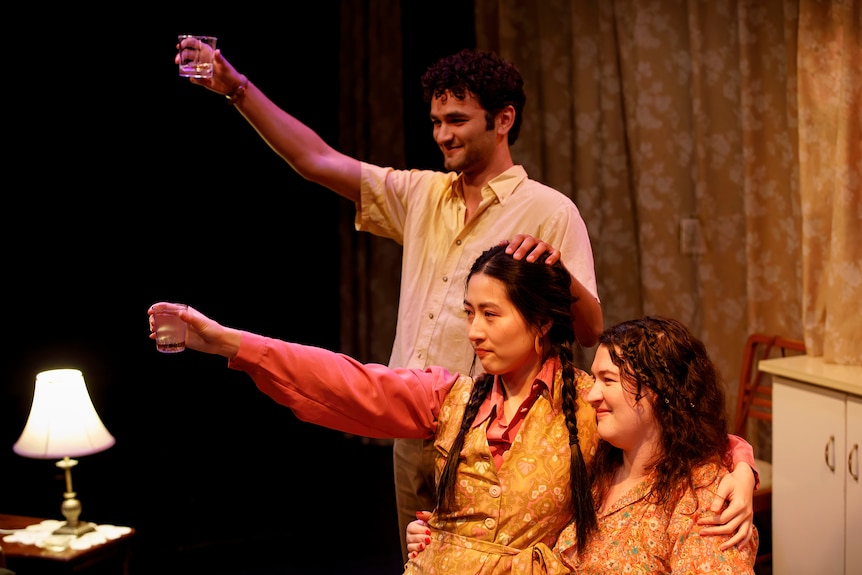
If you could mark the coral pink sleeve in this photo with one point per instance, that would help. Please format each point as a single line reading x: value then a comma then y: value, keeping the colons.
x: 336, y: 391
x: 741, y: 451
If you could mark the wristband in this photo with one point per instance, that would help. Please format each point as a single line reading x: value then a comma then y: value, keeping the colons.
x: 237, y: 93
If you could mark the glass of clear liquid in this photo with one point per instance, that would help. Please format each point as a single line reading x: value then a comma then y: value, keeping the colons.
x: 196, y: 55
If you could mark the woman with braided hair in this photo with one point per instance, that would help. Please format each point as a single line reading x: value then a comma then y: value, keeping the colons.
x: 520, y: 325
x: 660, y: 414
x: 511, y: 471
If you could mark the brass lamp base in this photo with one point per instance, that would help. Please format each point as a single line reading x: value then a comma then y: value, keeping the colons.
x: 71, y: 507
x: 76, y: 530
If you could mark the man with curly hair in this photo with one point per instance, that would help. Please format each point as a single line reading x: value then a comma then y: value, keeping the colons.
x: 443, y: 219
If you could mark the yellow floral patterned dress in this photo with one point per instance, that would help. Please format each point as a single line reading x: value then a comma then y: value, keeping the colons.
x: 506, y: 521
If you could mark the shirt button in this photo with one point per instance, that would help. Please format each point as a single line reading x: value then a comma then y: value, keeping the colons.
x: 445, y: 278
x: 490, y: 523
x: 430, y: 316
x: 458, y: 242
x: 495, y: 491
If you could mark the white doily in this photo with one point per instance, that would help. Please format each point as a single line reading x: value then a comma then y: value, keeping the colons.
x: 41, y: 535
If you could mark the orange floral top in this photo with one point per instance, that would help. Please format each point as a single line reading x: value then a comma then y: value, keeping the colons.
x: 636, y: 536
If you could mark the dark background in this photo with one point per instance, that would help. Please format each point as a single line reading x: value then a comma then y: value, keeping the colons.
x: 125, y: 185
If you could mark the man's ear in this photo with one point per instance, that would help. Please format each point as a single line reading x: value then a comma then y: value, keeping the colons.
x: 505, y: 118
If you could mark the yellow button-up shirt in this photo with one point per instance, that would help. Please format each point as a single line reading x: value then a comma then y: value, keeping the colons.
x: 424, y: 211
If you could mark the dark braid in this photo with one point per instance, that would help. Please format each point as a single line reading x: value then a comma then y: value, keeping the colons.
x: 583, y: 506
x: 542, y: 294
x: 446, y: 487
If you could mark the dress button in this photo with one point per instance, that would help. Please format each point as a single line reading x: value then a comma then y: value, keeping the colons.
x: 495, y: 491
x: 490, y: 523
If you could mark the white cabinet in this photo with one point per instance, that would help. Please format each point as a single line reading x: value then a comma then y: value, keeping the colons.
x: 816, y: 488
x: 853, y: 488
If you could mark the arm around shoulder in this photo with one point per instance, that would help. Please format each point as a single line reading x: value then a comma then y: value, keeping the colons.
x: 699, y: 545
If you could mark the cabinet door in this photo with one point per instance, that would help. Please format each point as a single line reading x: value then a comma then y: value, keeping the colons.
x: 808, y: 475
x: 852, y: 467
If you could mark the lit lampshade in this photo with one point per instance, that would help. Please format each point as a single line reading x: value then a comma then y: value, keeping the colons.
x: 63, y: 424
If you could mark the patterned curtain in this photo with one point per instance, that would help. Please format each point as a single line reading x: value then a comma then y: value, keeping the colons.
x: 712, y: 146
x: 830, y: 167
x: 673, y: 126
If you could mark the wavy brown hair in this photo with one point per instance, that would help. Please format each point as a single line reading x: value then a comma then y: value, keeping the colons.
x: 541, y: 293
x: 660, y: 355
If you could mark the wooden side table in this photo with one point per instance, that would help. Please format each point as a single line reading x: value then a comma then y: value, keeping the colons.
x: 109, y: 558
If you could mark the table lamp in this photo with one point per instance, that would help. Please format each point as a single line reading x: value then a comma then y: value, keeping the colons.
x: 63, y: 424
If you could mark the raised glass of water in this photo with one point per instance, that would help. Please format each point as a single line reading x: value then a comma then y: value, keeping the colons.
x: 196, y: 55
x: 170, y: 329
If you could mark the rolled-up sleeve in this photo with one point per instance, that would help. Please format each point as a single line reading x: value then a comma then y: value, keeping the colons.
x: 336, y: 391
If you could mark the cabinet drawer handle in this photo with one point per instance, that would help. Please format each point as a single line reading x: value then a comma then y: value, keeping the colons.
x: 854, y: 451
x: 830, y: 445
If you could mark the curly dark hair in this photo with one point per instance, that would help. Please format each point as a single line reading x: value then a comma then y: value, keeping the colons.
x: 494, y: 82
x: 661, y: 355
x: 541, y: 293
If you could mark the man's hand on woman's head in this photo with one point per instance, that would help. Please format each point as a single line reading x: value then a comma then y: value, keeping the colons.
x: 523, y: 245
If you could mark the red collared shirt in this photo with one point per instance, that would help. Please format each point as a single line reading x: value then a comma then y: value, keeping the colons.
x: 502, y: 433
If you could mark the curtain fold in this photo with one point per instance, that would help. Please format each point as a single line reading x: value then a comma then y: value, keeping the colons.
x: 710, y: 193
x: 830, y: 149
x: 371, y: 129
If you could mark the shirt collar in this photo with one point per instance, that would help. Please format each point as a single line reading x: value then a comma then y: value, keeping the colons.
x: 502, y: 186
x: 542, y: 385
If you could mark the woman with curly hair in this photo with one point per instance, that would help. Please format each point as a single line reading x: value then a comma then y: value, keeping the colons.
x: 660, y: 412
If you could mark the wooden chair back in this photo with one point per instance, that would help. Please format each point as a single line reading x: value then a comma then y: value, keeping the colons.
x: 754, y: 402
x: 754, y: 399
